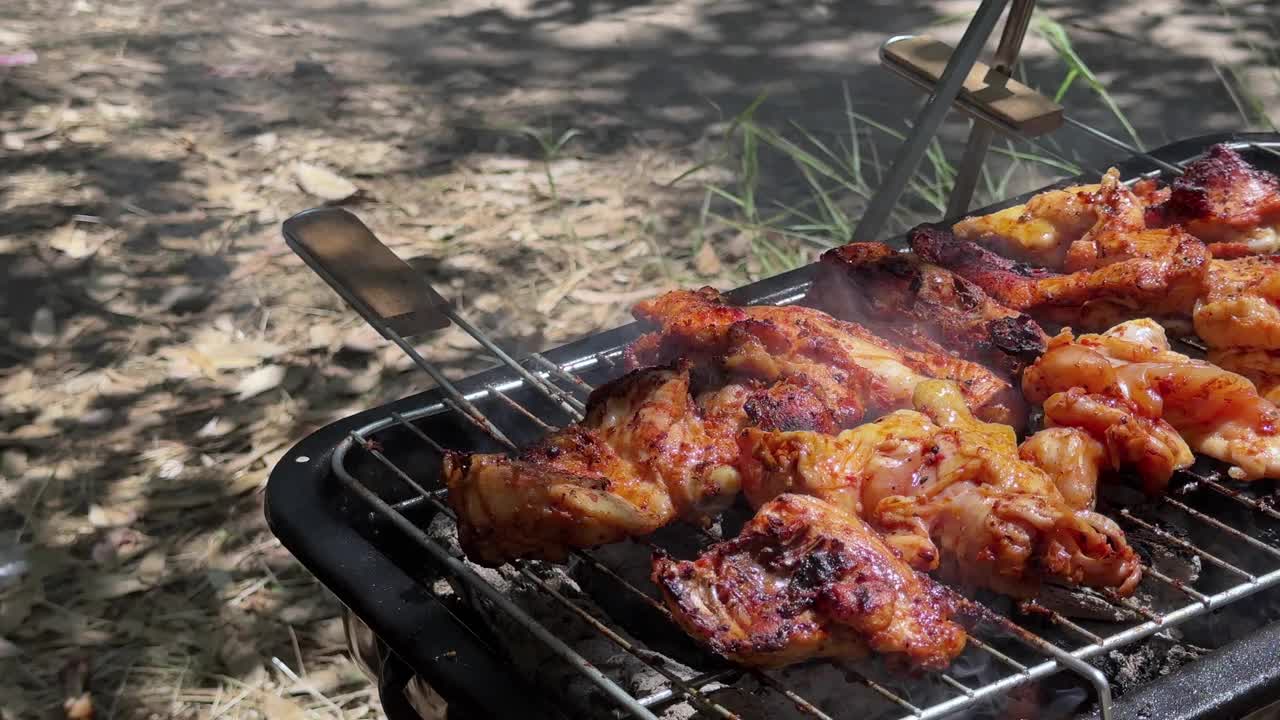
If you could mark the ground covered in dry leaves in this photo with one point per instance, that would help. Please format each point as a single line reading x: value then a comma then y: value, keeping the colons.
x: 165, y: 348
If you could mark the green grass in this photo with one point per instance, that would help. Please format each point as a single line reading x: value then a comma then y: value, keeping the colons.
x: 838, y: 172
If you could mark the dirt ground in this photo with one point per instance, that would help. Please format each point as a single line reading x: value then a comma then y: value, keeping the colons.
x: 164, y: 347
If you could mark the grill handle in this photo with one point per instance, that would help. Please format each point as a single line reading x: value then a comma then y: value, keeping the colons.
x: 387, y: 292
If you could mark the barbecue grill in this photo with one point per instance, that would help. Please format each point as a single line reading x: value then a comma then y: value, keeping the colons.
x: 360, y: 504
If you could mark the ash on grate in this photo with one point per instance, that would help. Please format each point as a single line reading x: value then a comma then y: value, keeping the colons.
x: 1133, y: 666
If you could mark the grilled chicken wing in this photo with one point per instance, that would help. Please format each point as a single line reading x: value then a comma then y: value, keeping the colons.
x: 1167, y: 286
x: 1218, y: 413
x: 848, y: 368
x: 806, y: 580
x: 950, y: 493
x: 922, y: 306
x: 1226, y: 202
x: 644, y: 455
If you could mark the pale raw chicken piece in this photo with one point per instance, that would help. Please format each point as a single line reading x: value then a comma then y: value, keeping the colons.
x: 806, y: 580
x: 1072, y: 458
x: 1131, y: 440
x: 1262, y: 367
x: 950, y: 493
x: 1218, y: 413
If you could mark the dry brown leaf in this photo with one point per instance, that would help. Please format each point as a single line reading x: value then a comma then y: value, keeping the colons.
x: 152, y: 568
x: 79, y: 708
x: 706, y: 262
x: 280, y: 708
x: 103, y: 517
x: 44, y: 327
x: 620, y: 299
x: 322, y: 183
x: 88, y: 135
x: 115, y: 585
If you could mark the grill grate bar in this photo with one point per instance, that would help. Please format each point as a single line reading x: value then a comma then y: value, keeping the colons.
x: 701, y: 681
x: 1178, y: 585
x: 1240, y: 498
x: 485, y: 425
x: 956, y: 684
x: 973, y: 640
x: 1234, y: 532
x: 1060, y: 619
x: 1170, y: 537
x: 506, y: 399
x: 477, y: 584
x: 1130, y: 604
x: 559, y: 372
x: 796, y: 699
x: 568, y: 403
x: 423, y: 436
x: 651, y: 659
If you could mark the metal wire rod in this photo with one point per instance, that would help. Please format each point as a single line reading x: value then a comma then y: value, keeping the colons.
x: 568, y: 403
x: 477, y: 584
x: 1170, y: 537
x: 1118, y: 143
x: 926, y: 125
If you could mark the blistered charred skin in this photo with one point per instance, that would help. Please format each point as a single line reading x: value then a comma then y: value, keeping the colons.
x: 1132, y: 373
x: 805, y: 580
x: 949, y: 493
x: 1093, y: 299
x: 1226, y: 202
x: 852, y: 371
x: 645, y: 455
x: 922, y: 306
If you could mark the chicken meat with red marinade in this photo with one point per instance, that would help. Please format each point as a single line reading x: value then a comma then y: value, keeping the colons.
x: 922, y: 306
x: 805, y: 580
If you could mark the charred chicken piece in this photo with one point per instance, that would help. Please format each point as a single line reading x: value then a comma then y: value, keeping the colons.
x: 1165, y: 286
x: 1218, y: 413
x: 950, y: 493
x: 805, y: 580
x: 850, y: 370
x: 644, y: 455
x: 922, y: 306
x: 1226, y: 202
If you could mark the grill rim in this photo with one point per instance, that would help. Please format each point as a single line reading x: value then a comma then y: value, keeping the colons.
x: 391, y: 601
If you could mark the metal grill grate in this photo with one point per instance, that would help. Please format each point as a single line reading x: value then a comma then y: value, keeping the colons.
x: 1244, y: 564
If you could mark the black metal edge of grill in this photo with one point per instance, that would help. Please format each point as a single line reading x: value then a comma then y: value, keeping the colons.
x: 441, y: 647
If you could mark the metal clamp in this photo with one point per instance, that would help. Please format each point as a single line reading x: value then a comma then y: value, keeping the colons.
x: 987, y: 94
